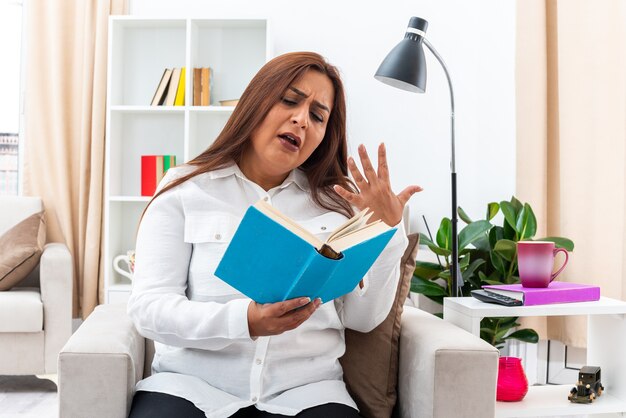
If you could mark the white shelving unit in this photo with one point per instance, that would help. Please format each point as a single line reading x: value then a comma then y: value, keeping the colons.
x: 139, y: 50
x: 606, y: 347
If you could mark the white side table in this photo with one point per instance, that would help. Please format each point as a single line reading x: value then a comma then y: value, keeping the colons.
x: 606, y: 347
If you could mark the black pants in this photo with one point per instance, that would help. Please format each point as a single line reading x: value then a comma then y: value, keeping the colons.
x: 161, y: 405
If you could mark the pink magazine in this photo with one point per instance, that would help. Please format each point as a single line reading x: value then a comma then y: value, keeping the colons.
x: 556, y: 292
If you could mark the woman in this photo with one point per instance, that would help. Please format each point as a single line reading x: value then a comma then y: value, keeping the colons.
x: 218, y: 353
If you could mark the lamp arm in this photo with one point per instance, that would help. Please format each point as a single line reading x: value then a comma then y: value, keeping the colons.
x: 445, y: 69
x: 455, y: 271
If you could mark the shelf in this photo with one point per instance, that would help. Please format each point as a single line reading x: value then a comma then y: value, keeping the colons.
x: 130, y: 198
x: 139, y: 50
x: 148, y: 109
x: 474, y: 308
x: 606, y: 344
x: 552, y: 400
x: 170, y: 109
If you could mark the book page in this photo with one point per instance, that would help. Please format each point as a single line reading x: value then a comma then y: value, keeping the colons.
x: 273, y: 213
x: 510, y: 293
x: 359, y: 235
x: 356, y: 222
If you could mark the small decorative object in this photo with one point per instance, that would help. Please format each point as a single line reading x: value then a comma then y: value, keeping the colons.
x: 588, y: 387
x: 129, y: 264
x: 512, y: 382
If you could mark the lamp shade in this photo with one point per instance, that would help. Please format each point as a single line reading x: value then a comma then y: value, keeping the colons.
x: 405, y: 66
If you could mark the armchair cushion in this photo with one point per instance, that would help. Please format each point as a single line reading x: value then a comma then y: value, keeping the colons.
x: 20, y: 250
x: 21, y: 310
x: 370, y: 364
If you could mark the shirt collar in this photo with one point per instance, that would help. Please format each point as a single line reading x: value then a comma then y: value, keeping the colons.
x: 295, y: 176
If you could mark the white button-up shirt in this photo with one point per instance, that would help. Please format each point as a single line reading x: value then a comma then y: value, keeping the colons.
x: 204, y: 352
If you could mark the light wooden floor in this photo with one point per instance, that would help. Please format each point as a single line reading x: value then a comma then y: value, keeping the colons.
x: 27, y: 397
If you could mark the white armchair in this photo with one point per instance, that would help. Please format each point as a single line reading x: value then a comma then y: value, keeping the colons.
x: 36, y: 315
x: 444, y: 370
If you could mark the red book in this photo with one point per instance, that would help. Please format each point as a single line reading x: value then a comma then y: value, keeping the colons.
x: 556, y: 292
x: 148, y: 175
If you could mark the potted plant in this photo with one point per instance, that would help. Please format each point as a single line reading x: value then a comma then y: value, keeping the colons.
x: 487, y: 255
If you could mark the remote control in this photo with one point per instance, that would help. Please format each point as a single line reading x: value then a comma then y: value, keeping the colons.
x: 490, y: 297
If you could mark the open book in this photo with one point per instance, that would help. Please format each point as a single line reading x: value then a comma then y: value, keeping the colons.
x: 272, y: 258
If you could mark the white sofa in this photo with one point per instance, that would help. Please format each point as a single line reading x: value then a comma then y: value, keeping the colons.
x: 444, y: 371
x: 36, y: 315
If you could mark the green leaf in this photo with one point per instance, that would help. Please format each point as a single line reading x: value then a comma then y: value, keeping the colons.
x: 509, y: 232
x: 482, y: 243
x: 425, y: 240
x: 440, y: 251
x: 444, y: 234
x: 517, y: 205
x: 486, y: 330
x: 464, y: 262
x: 510, y: 215
x: 426, y: 270
x: 495, y: 234
x: 526, y: 223
x: 439, y: 315
x: 463, y: 215
x: 508, y: 321
x: 560, y: 242
x: 506, y: 248
x: 427, y: 287
x: 472, y: 267
x: 492, y: 210
x: 527, y: 335
x: 472, y: 232
x: 497, y: 262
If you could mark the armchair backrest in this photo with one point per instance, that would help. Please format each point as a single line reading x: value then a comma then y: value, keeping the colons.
x: 14, y: 209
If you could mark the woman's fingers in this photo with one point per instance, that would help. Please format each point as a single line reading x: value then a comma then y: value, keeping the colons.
x: 383, y: 168
x: 356, y: 174
x: 276, y: 318
x: 366, y: 163
x: 406, y: 194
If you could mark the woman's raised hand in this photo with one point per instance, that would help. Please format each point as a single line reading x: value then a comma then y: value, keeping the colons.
x: 276, y: 318
x: 375, y: 188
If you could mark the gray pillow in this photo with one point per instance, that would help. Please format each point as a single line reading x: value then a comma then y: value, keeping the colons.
x: 20, y: 250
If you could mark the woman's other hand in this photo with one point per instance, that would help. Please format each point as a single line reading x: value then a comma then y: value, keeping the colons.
x: 375, y: 188
x: 276, y: 318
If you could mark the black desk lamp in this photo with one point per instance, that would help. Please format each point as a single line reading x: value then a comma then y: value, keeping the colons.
x: 405, y: 68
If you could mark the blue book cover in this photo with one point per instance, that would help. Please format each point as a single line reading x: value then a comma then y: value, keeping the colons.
x: 270, y: 262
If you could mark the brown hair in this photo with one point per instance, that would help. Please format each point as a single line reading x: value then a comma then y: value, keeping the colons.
x: 326, y: 166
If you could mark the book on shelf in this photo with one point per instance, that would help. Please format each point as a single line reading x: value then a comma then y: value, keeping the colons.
x: 153, y: 168
x: 556, y: 292
x: 161, y: 91
x: 172, y: 89
x: 205, y: 81
x: 232, y: 102
x: 197, y: 86
x: 180, y: 92
x: 272, y: 258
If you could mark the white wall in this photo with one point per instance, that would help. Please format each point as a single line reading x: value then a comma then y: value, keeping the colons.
x: 475, y: 38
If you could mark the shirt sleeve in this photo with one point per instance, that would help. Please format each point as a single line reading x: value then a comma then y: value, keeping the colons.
x: 364, y: 308
x: 158, y: 304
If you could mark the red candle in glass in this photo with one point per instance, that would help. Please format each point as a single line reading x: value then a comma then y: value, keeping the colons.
x: 512, y: 382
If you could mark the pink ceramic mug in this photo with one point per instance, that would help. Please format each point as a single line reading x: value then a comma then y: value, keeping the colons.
x: 535, y: 260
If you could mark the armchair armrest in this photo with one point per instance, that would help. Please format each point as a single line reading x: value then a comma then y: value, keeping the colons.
x: 100, y: 365
x: 55, y: 278
x: 444, y: 371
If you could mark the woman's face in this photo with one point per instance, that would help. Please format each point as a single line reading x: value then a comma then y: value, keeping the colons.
x: 294, y: 126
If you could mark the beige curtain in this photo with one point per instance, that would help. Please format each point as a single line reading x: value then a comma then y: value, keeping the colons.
x: 64, y: 114
x: 571, y: 133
